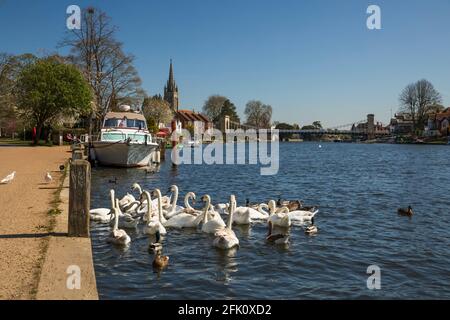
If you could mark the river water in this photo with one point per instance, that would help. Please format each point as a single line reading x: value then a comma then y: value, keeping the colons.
x: 358, y: 188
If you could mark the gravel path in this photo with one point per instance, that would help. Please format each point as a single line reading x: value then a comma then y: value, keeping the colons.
x: 24, y: 221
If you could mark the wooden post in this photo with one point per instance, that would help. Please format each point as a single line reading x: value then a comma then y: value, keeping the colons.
x: 79, y: 198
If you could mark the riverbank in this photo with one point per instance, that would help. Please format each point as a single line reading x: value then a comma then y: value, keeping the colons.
x: 31, y: 220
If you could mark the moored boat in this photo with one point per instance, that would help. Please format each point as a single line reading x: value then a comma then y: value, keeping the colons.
x: 124, y: 140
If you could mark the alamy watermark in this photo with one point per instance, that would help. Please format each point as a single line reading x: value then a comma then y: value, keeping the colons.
x: 228, y: 148
x: 74, y: 19
x: 374, y: 280
x: 74, y: 279
x: 374, y: 20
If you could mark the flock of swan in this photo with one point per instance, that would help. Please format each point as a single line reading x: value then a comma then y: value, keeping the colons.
x: 160, y: 213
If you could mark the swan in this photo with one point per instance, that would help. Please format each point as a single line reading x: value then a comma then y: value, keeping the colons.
x: 212, y: 221
x: 125, y: 220
x: 311, y: 229
x: 153, y: 223
x: 187, y: 207
x: 126, y: 200
x: 241, y: 215
x: 302, y: 215
x: 277, y: 238
x: 222, y: 208
x: 405, y: 212
x: 280, y: 219
x: 225, y: 237
x: 103, y: 215
x: 173, y: 209
x: 181, y: 220
x: 118, y: 236
x: 8, y: 178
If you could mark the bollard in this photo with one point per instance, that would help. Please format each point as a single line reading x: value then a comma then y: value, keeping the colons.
x: 79, y: 198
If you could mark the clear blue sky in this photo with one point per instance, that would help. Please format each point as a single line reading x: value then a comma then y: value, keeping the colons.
x: 311, y: 60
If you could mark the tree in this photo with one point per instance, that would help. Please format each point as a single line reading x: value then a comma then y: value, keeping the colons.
x: 157, y: 110
x: 10, y: 68
x: 418, y: 99
x: 47, y: 89
x: 229, y: 109
x: 213, y: 107
x: 317, y: 124
x: 259, y: 115
x: 108, y: 70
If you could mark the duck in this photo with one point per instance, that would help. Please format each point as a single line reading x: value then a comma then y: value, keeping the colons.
x: 290, y: 204
x: 118, y: 236
x: 280, y: 219
x: 103, y: 215
x: 405, y: 212
x: 212, y: 221
x: 277, y: 238
x: 311, y: 229
x: 157, y: 245
x: 153, y: 223
x: 180, y: 220
x: 8, y: 178
x: 225, y: 238
x: 160, y: 262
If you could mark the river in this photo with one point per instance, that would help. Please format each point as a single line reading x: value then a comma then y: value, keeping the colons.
x: 358, y: 188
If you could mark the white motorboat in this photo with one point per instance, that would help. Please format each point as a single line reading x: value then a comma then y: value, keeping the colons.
x: 124, y: 140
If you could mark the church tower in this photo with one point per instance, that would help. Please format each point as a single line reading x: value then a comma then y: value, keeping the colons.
x: 171, y: 90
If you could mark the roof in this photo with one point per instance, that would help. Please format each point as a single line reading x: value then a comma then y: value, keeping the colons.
x: 443, y: 114
x: 128, y: 115
x: 188, y: 115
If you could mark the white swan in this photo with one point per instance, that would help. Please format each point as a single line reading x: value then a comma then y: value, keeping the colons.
x: 153, y: 223
x: 173, y: 209
x: 280, y: 219
x: 118, y: 236
x: 302, y: 215
x: 103, y: 215
x: 182, y: 220
x: 126, y: 200
x: 212, y: 221
x: 225, y: 237
x: 125, y: 220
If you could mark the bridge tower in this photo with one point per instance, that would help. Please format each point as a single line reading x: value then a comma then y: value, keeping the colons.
x: 370, y: 126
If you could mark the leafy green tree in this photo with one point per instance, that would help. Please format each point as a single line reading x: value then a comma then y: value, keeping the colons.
x: 48, y: 89
x: 317, y: 124
x: 229, y: 109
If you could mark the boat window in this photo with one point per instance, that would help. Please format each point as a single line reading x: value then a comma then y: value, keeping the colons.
x: 138, y: 137
x: 113, y: 136
x: 132, y: 123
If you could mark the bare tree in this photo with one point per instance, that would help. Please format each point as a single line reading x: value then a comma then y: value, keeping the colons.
x: 100, y: 57
x: 418, y: 99
x: 259, y: 115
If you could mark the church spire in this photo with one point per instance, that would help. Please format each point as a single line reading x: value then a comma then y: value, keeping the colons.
x: 171, y: 90
x: 171, y: 81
